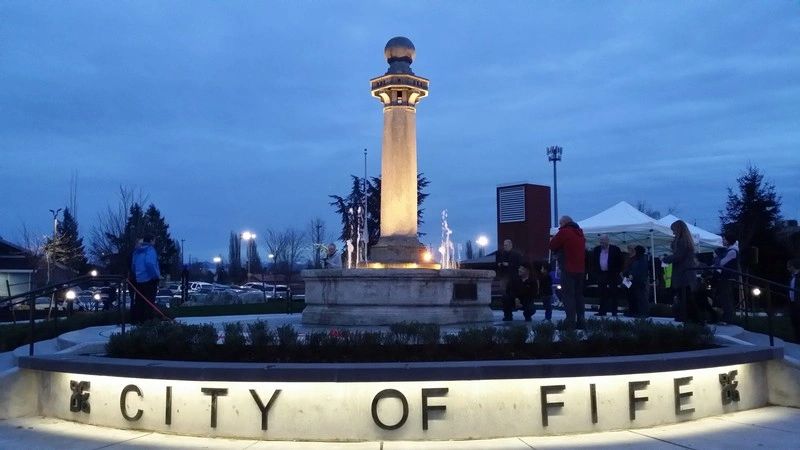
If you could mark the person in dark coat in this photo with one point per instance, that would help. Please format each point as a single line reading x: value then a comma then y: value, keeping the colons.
x: 507, y: 263
x: 524, y: 288
x: 691, y: 301
x: 570, y: 244
x: 607, y: 264
x: 638, y: 274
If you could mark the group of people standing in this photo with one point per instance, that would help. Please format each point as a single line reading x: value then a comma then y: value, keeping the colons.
x: 522, y: 284
x: 612, y: 267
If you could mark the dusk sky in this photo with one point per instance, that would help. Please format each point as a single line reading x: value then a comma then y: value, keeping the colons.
x: 238, y: 116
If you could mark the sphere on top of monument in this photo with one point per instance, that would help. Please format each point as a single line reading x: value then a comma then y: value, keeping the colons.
x: 399, y: 47
x: 399, y: 53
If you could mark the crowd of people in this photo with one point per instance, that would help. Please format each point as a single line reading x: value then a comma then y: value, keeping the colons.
x: 629, y: 274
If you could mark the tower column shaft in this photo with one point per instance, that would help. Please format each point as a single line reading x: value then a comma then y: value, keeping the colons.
x: 399, y: 173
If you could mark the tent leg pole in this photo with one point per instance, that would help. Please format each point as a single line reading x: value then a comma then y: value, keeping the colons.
x: 653, y: 267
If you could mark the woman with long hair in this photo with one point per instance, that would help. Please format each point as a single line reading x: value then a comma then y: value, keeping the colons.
x: 684, y: 280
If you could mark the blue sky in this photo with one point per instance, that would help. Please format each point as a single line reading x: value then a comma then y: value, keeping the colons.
x: 246, y: 115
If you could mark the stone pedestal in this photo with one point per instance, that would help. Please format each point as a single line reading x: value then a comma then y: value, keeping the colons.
x: 372, y: 297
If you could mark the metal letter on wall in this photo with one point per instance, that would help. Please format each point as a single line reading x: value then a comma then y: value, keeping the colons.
x: 389, y: 393
x: 730, y: 391
x: 79, y: 400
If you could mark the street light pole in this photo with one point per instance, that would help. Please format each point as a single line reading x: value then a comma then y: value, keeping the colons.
x: 182, y: 252
x: 55, y: 233
x: 554, y: 155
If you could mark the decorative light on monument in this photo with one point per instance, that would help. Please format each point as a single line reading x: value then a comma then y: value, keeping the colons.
x: 427, y: 256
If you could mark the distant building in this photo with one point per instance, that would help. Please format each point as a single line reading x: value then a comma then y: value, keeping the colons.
x: 21, y: 271
x: 17, y: 268
x: 523, y: 215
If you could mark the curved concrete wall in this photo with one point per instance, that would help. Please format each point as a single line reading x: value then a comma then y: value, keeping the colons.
x: 397, y: 401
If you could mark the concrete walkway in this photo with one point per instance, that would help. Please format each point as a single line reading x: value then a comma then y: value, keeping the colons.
x: 773, y: 428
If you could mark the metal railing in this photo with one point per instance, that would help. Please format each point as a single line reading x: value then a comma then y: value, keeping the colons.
x: 122, y: 286
x: 746, y: 283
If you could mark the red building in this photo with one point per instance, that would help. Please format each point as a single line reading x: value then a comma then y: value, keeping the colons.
x: 523, y: 215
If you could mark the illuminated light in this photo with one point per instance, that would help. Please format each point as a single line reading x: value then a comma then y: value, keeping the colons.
x: 756, y: 291
x: 96, y: 297
x: 558, y: 286
x: 94, y: 273
x: 71, y: 295
x: 441, y: 250
x: 248, y: 235
x: 482, y: 241
x: 427, y: 256
x: 217, y: 259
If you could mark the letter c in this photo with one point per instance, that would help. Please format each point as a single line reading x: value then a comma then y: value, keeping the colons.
x: 125, y: 391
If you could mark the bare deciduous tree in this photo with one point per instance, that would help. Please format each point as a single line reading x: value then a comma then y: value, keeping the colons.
x: 111, y: 223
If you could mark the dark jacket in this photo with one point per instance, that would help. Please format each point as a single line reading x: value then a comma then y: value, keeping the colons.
x: 570, y: 242
x: 615, y: 259
x: 638, y: 270
x: 525, y: 290
x: 513, y: 258
x: 682, y: 260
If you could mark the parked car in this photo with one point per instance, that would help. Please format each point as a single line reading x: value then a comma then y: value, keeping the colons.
x: 164, y: 298
x: 274, y: 291
x: 40, y: 304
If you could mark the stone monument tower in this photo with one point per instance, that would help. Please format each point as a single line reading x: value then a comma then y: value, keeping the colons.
x: 398, y: 285
x: 399, y: 90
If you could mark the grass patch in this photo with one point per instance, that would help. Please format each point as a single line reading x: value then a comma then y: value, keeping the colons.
x: 782, y: 326
x: 407, y: 341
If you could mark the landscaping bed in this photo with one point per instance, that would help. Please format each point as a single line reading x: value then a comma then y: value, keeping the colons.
x: 403, y: 342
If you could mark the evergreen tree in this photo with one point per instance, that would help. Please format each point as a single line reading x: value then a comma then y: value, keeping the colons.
x: 66, y: 247
x: 234, y: 257
x: 253, y: 260
x: 348, y: 207
x: 166, y: 249
x: 752, y: 213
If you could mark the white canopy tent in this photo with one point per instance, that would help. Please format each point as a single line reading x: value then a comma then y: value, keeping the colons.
x: 703, y: 239
x: 625, y: 225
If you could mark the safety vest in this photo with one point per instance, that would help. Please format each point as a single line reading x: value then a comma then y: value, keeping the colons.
x: 668, y: 276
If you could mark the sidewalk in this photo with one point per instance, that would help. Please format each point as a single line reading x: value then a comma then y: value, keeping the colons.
x: 773, y: 428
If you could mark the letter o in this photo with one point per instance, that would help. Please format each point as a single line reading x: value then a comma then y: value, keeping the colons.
x: 389, y: 393
x: 125, y: 391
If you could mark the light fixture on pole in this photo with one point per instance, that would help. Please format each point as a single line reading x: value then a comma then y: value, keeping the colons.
x: 482, y: 242
x: 248, y: 236
x: 554, y: 155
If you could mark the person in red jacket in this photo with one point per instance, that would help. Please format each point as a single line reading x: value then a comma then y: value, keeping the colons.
x: 570, y: 245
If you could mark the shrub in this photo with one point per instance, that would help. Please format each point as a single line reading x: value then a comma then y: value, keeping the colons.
x: 544, y: 333
x: 259, y: 334
x: 287, y: 336
x: 161, y: 340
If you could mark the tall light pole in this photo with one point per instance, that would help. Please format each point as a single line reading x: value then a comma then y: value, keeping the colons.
x: 247, y: 237
x: 182, y: 252
x: 554, y: 155
x: 55, y: 233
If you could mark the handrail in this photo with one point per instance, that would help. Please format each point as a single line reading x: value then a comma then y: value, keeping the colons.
x: 768, y: 284
x: 51, y: 289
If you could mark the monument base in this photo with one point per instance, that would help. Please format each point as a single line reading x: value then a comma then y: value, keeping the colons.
x: 374, y: 297
x: 397, y: 249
